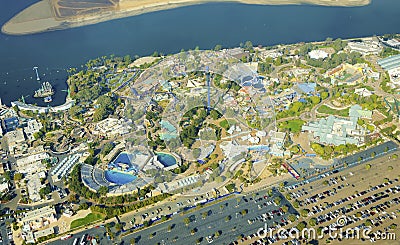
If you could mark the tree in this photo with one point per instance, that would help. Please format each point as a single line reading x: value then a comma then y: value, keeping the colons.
x: 285, y: 208
x: 215, y: 114
x: 292, y: 217
x: 107, y: 148
x: 367, y: 166
x: 45, y: 191
x: 248, y: 45
x: 324, y: 95
x: 218, y: 47
x: 119, y: 227
x: 103, y: 190
x: 105, y: 102
x: 38, y: 135
x: 277, y: 200
x: 18, y: 176
x: 192, y: 231
x: 301, y: 225
x: 313, y: 221
x: 100, y: 114
x: 304, y: 212
x: 186, y: 221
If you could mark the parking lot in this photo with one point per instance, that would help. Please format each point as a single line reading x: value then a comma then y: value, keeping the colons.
x: 5, y: 228
x: 223, y: 222
x: 361, y: 197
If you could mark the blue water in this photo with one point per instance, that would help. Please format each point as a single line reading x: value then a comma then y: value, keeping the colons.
x: 118, y: 177
x: 259, y: 148
x: 166, y: 159
x: 169, y: 31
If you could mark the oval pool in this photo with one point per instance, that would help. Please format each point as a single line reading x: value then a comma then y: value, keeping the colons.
x: 166, y: 159
x: 118, y: 177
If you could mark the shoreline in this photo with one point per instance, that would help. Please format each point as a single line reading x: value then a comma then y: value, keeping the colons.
x: 40, y: 16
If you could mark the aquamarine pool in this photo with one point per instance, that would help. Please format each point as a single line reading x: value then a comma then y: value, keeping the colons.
x: 118, y: 177
x: 166, y: 159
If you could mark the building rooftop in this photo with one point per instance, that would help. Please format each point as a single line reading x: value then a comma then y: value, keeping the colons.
x: 391, y: 62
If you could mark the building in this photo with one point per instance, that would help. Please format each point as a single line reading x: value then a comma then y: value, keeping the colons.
x: 363, y: 92
x: 28, y: 107
x: 318, y: 54
x: 16, y: 141
x: 38, y: 218
x: 32, y: 164
x: 33, y: 126
x: 390, y: 63
x: 4, y: 187
x: 338, y: 131
x: 33, y: 185
x: 112, y: 127
x: 10, y: 124
x: 394, y: 43
x: 304, y: 88
x: 277, y: 142
x: 364, y: 48
x: 43, y: 233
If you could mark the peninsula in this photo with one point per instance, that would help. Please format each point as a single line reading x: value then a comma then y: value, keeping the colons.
x: 48, y: 15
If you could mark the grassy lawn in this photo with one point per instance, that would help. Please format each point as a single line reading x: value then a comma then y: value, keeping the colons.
x: 294, y: 126
x: 327, y: 110
x: 87, y: 220
x: 226, y: 124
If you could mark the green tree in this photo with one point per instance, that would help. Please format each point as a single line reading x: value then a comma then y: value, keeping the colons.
x: 186, y: 220
x: 304, y: 212
x: 277, y: 200
x: 218, y: 47
x: 100, y: 114
x: 18, y: 176
x: 103, y: 190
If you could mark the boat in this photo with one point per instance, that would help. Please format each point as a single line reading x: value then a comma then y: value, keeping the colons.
x: 63, y: 238
x: 48, y: 99
x: 45, y: 91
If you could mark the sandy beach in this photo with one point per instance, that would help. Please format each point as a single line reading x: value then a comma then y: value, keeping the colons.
x: 46, y: 15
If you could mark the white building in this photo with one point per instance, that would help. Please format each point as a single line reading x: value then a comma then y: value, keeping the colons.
x: 16, y: 141
x: 33, y: 126
x: 364, y: 48
x: 363, y: 92
x: 38, y: 218
x: 4, y: 187
x: 112, y: 127
x: 318, y: 54
x: 31, y: 164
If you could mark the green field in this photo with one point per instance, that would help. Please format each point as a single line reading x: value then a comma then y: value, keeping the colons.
x: 327, y: 110
x: 226, y: 124
x: 293, y: 126
x: 87, y: 220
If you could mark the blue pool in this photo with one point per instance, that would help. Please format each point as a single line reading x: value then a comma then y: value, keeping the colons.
x: 166, y: 159
x: 259, y: 148
x: 118, y: 177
